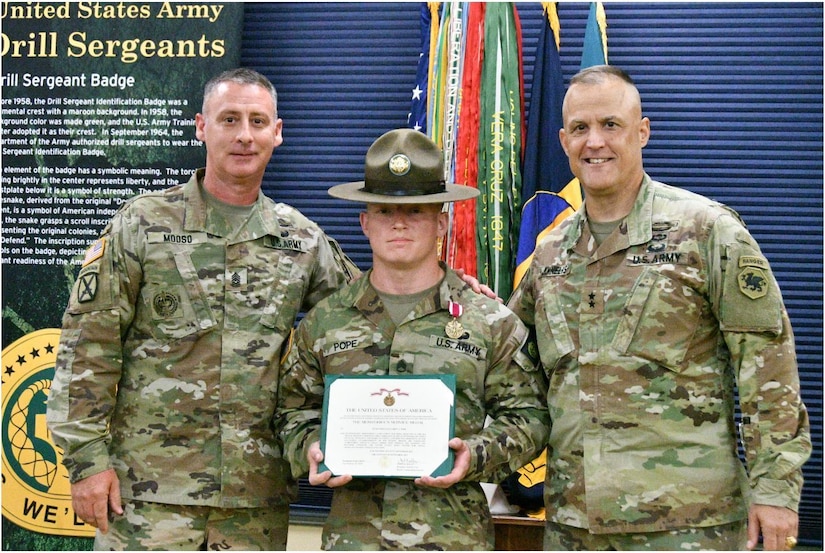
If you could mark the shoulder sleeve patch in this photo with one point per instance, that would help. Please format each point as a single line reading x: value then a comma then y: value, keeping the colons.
x: 751, y: 301
x: 95, y: 251
x: 94, y: 288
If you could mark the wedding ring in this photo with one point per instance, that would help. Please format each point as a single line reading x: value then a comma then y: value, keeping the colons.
x: 790, y: 542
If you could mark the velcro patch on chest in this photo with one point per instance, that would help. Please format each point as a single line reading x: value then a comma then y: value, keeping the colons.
x: 182, y: 238
x: 344, y: 345
x: 662, y: 258
x: 555, y: 270
x: 288, y: 242
x: 459, y: 346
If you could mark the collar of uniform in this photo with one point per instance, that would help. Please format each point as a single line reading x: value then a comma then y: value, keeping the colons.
x: 640, y: 218
x: 362, y: 296
x: 451, y: 289
x: 639, y: 224
x: 262, y: 222
x: 194, y: 204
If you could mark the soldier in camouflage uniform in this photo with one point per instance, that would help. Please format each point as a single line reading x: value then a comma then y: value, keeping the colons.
x: 167, y: 370
x: 395, y: 323
x: 651, y: 304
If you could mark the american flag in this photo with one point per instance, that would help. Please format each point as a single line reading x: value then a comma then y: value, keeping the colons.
x: 95, y: 251
x: 417, y: 118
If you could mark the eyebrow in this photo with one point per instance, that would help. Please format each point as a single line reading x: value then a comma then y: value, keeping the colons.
x: 602, y: 120
x: 235, y: 111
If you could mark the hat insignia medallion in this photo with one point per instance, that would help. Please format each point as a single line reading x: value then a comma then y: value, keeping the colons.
x: 399, y: 165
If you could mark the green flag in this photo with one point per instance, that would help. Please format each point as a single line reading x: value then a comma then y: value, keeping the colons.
x: 499, y: 149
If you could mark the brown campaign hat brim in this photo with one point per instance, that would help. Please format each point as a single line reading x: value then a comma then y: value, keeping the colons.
x: 354, y: 191
x: 403, y: 166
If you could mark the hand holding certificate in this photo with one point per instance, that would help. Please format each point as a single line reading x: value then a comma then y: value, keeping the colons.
x: 389, y: 426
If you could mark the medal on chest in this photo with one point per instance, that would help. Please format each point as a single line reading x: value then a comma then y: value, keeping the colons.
x: 454, y: 329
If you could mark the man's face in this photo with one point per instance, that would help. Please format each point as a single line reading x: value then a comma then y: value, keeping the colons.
x: 240, y: 131
x: 603, y: 135
x: 403, y: 236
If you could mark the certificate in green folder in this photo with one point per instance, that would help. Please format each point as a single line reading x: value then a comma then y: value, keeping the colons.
x: 388, y: 426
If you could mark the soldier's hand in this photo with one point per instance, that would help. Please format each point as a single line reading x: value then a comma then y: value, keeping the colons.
x: 92, y: 498
x: 315, y: 456
x: 460, y: 467
x: 776, y: 524
x: 477, y: 287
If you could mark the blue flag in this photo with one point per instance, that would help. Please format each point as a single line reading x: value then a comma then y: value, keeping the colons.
x: 594, y: 51
x: 553, y: 191
x: 546, y: 176
x: 417, y: 118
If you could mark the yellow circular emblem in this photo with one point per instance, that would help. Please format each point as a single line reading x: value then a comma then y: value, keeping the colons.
x: 399, y: 165
x: 36, y: 491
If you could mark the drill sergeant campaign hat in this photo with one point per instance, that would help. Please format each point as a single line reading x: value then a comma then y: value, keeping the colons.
x: 403, y: 167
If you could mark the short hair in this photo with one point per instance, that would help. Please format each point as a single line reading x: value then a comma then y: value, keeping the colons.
x: 596, y: 74
x: 244, y: 76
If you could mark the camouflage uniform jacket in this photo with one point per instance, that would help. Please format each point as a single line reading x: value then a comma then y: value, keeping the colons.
x: 168, y: 363
x: 494, y: 377
x: 643, y: 340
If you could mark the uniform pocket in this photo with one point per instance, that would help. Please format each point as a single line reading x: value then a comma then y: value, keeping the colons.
x: 58, y: 406
x: 552, y: 330
x: 177, y: 303
x: 284, y: 295
x: 172, y: 314
x: 660, y: 320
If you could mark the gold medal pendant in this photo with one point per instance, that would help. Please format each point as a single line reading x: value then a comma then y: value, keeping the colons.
x: 454, y: 329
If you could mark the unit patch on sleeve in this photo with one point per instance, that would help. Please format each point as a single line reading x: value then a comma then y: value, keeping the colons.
x: 87, y: 287
x: 752, y: 279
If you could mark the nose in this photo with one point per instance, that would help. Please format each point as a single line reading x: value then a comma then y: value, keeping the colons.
x: 244, y: 132
x: 595, y: 139
x: 399, y: 219
x: 399, y: 216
